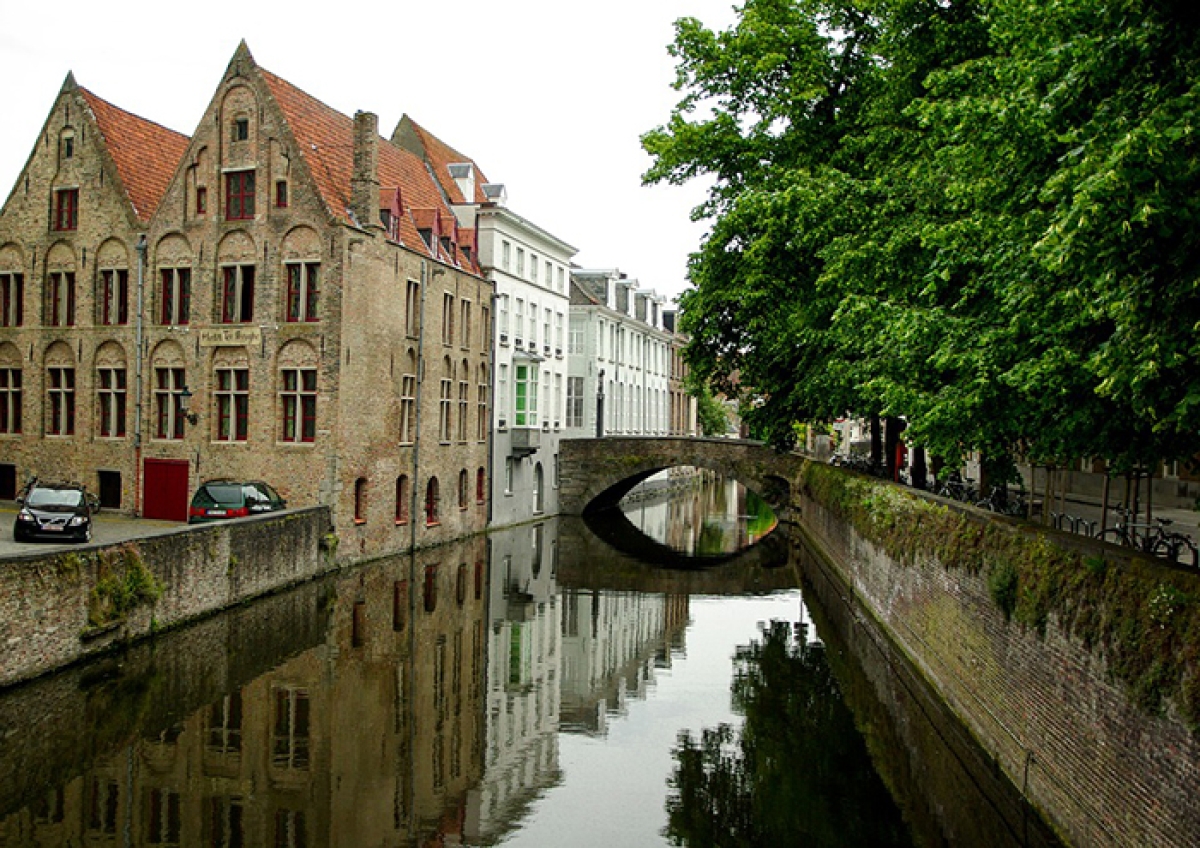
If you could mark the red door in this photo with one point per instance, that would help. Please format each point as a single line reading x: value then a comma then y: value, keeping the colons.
x: 166, y: 487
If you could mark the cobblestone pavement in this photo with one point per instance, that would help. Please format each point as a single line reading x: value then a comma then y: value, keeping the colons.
x: 107, y: 528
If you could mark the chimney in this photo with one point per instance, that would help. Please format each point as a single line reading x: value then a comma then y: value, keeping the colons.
x: 364, y: 183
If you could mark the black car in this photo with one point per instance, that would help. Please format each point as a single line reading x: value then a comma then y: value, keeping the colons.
x: 55, y: 511
x: 218, y: 500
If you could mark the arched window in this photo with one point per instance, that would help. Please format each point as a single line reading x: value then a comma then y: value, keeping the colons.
x: 430, y: 588
x: 480, y: 486
x: 360, y: 500
x: 431, y: 501
x: 462, y: 489
x: 538, y: 500
x: 402, y: 499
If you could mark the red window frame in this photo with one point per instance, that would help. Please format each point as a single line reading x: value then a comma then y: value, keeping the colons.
x: 66, y: 209
x: 239, y: 195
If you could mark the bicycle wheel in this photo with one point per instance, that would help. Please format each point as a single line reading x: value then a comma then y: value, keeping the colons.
x: 1114, y: 536
x: 1168, y: 548
x: 1179, y: 549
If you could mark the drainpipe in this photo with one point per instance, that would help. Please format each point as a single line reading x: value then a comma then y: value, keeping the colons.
x: 137, y: 400
x: 491, y: 430
x: 600, y: 405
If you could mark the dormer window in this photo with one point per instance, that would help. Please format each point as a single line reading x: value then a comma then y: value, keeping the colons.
x: 241, y: 129
x: 426, y: 234
x: 281, y: 194
x: 67, y: 145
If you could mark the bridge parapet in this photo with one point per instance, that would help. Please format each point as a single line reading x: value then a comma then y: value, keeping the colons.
x: 597, y: 473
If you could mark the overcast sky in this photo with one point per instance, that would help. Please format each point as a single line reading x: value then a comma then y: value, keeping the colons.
x: 548, y: 96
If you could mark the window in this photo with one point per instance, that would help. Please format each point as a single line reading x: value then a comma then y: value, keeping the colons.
x: 533, y: 267
x: 447, y: 319
x: 66, y: 209
x: 290, y: 731
x: 480, y: 486
x: 463, y: 489
x: 533, y: 318
x: 549, y: 274
x: 10, y: 400
x: 505, y: 255
x: 481, y: 402
x: 175, y: 296
x: 464, y: 324
x: 502, y: 396
x: 558, y: 399
x: 412, y: 311
x: 114, y: 297
x: 168, y: 403
x: 290, y: 830
x: 304, y: 291
x: 237, y: 294
x: 233, y: 404
x: 402, y: 499
x: 431, y: 501
x: 520, y: 262
x: 61, y: 407
x: 574, y: 401
x: 561, y: 283
x: 225, y: 725
x: 546, y: 315
x: 12, y: 300
x: 519, y: 322
x: 360, y: 501
x: 408, y: 409
x: 68, y: 144
x: 281, y: 194
x: 444, y: 411
x: 575, y: 341
x: 298, y: 404
x: 241, y: 129
x: 239, y: 195
x: 225, y: 822
x: 502, y: 318
x: 163, y: 819
x: 558, y: 333
x: 538, y: 490
x: 508, y: 475
x: 201, y: 200
x: 485, y: 328
x: 525, y: 382
x: 60, y: 299
x: 110, y: 397
x: 464, y: 401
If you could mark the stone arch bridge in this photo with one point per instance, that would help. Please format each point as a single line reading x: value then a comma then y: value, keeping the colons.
x: 596, y: 473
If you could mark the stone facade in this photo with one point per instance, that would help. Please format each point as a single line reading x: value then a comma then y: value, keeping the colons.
x: 306, y: 311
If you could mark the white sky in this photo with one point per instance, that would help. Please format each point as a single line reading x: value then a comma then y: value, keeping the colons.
x: 548, y: 96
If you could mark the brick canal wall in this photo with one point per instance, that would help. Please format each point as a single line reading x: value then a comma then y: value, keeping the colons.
x: 1059, y: 716
x: 56, y: 608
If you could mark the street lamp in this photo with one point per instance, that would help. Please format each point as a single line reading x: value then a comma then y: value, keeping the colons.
x: 185, y: 401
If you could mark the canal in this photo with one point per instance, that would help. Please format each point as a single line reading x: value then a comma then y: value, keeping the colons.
x: 537, y: 687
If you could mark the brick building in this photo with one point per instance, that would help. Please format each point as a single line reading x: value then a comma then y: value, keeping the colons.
x: 286, y: 295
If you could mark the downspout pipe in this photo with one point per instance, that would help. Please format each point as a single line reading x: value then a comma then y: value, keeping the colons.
x: 139, y: 344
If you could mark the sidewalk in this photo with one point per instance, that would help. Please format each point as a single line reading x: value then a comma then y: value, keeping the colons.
x: 1186, y: 521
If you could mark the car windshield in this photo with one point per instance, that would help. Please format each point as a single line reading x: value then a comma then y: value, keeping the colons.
x: 54, y: 497
x: 214, y: 494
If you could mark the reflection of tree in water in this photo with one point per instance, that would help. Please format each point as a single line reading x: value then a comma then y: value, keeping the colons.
x: 797, y: 773
x: 711, y: 540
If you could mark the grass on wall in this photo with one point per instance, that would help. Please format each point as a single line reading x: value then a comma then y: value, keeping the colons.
x: 123, y: 582
x: 1141, y: 616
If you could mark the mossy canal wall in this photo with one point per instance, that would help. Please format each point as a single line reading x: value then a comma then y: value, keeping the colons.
x: 59, y: 607
x: 1074, y: 665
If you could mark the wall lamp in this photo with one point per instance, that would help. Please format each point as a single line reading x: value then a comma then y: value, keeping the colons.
x: 185, y: 402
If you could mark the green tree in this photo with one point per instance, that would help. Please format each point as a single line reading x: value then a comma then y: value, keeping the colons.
x: 711, y: 414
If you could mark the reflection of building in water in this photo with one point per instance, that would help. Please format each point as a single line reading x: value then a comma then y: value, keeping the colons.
x: 691, y: 510
x: 612, y: 642
x: 371, y: 739
x: 524, y: 653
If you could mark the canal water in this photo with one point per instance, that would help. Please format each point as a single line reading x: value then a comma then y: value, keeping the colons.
x: 536, y: 687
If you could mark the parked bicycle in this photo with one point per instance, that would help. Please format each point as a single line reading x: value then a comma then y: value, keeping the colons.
x: 959, y: 488
x: 1153, y: 538
x: 1004, y: 501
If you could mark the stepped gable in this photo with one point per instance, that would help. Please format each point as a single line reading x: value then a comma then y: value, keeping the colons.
x: 440, y: 157
x: 325, y: 138
x: 146, y: 154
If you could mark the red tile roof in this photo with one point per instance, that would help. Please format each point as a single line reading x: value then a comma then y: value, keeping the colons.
x: 326, y: 140
x: 441, y: 156
x: 146, y: 154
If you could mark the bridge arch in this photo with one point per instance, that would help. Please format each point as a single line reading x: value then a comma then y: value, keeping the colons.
x: 597, y: 473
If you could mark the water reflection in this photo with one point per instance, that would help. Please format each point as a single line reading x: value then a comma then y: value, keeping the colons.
x: 697, y: 512
x: 534, y: 687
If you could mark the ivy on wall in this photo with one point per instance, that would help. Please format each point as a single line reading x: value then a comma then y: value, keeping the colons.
x: 1140, y: 615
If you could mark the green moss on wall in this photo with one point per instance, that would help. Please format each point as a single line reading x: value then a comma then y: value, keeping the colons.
x: 123, y: 582
x: 1141, y: 616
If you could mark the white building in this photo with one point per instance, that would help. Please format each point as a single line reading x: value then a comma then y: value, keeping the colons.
x: 530, y: 268
x: 619, y: 357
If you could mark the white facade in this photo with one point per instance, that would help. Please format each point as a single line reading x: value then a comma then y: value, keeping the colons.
x: 531, y: 271
x: 617, y: 345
